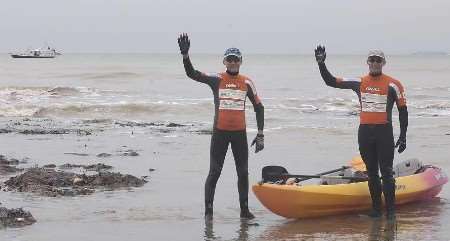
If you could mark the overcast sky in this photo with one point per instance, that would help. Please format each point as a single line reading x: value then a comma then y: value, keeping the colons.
x: 255, y: 26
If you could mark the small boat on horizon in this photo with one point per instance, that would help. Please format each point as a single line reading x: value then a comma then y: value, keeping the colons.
x: 39, y: 53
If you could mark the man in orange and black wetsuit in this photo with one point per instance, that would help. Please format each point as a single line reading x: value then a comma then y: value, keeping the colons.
x: 377, y: 93
x: 230, y: 90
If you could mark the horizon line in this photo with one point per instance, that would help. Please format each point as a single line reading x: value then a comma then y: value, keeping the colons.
x: 256, y: 53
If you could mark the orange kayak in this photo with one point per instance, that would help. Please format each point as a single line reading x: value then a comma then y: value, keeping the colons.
x: 293, y: 201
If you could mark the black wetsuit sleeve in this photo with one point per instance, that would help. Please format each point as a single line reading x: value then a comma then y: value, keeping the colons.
x: 402, y: 113
x: 258, y: 107
x: 403, y: 118
x: 197, y: 75
x: 332, y: 81
x: 329, y: 79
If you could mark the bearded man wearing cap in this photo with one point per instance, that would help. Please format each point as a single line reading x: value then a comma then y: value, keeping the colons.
x: 230, y: 90
x: 377, y: 94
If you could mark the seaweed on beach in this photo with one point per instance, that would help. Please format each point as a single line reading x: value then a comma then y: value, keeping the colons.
x: 46, y: 131
x: 6, y: 161
x: 7, y: 166
x: 52, y: 183
x: 5, y: 131
x: 7, y: 169
x: 104, y: 155
x: 43, y: 132
x: 129, y: 153
x: 38, y: 126
x: 94, y: 167
x: 151, y: 124
x: 15, y: 217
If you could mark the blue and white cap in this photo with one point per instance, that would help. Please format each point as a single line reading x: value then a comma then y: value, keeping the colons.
x: 233, y: 51
x: 377, y: 53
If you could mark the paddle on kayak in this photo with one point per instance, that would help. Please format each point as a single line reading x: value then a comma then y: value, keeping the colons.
x: 280, y: 174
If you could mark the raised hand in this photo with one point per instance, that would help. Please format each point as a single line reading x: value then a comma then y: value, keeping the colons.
x: 320, y: 53
x: 184, y: 43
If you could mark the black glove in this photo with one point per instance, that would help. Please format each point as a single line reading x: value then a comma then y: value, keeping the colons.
x: 184, y: 43
x: 401, y: 144
x: 259, y: 141
x: 320, y: 53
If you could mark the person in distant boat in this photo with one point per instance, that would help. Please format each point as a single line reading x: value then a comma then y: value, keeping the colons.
x: 377, y: 94
x: 230, y: 90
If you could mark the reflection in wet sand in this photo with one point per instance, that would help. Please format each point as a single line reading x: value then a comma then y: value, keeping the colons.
x: 242, y: 232
x: 382, y: 230
x: 209, y: 230
x: 419, y: 221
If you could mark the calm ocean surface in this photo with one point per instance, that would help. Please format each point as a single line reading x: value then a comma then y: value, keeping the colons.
x: 127, y: 100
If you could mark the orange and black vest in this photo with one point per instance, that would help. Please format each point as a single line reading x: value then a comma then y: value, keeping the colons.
x: 377, y: 95
x: 232, y: 94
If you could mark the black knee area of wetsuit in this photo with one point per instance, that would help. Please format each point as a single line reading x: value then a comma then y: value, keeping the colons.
x: 373, y: 175
x: 375, y: 193
x: 389, y: 192
x: 211, y: 182
x: 388, y: 176
x: 214, y: 172
x: 242, y: 173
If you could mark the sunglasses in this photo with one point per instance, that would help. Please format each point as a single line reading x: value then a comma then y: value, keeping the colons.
x: 232, y: 58
x: 375, y: 60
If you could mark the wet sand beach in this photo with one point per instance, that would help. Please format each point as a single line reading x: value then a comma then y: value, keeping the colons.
x: 154, y: 122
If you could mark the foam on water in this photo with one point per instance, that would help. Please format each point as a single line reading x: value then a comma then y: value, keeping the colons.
x: 83, y: 102
x: 142, y: 87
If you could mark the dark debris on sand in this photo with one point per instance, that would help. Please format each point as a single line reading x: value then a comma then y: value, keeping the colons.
x: 15, y: 217
x: 49, y: 166
x: 52, y: 183
x: 94, y: 167
x: 41, y: 127
x: 138, y: 124
x: 44, y: 132
x: 39, y: 131
x: 174, y: 125
x: 5, y: 131
x: 7, y: 169
x: 203, y: 132
x: 5, y: 161
x: 160, y: 126
x: 129, y: 153
x: 104, y: 155
x: 7, y: 166
x: 76, y: 154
